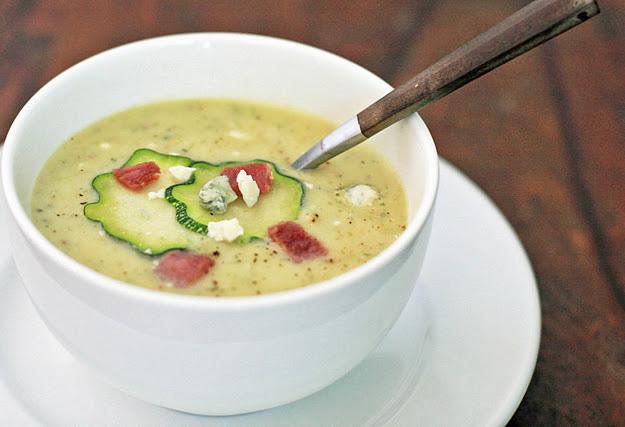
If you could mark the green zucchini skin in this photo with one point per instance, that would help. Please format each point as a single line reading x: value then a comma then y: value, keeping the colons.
x: 164, y: 161
x: 282, y: 203
x: 130, y: 216
x: 153, y: 227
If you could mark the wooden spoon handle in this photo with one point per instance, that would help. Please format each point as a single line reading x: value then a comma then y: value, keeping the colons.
x: 534, y: 24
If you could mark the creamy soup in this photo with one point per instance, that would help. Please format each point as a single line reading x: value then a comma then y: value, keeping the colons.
x: 354, y: 205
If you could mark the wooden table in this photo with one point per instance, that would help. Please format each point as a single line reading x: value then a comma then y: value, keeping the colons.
x: 544, y: 136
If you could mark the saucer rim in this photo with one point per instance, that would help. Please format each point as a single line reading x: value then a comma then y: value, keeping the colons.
x: 505, y: 409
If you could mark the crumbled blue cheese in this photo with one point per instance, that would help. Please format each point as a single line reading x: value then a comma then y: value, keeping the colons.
x: 248, y: 188
x: 181, y: 173
x: 360, y: 195
x: 160, y: 194
x: 216, y: 194
x: 228, y: 229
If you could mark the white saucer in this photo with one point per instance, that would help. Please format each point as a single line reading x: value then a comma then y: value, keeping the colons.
x: 478, y: 358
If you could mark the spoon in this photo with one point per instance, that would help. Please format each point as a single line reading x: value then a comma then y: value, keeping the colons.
x: 536, y: 23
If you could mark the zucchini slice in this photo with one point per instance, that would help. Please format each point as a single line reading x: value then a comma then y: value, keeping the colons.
x: 147, y: 224
x: 282, y: 203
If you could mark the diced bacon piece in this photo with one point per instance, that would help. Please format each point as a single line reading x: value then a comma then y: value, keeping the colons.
x: 261, y: 172
x: 296, y: 241
x: 183, y: 268
x: 137, y: 176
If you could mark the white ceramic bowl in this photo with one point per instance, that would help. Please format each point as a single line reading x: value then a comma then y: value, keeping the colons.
x: 205, y: 355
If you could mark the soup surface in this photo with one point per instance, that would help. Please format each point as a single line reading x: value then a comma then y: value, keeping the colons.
x: 351, y: 228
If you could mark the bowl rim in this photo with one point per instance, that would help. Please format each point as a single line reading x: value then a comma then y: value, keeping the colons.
x: 138, y: 293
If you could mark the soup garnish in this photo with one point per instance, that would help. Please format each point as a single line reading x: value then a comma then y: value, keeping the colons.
x: 280, y: 197
x: 207, y: 203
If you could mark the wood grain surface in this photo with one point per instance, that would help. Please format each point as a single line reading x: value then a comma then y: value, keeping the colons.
x: 536, y: 23
x: 544, y: 136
